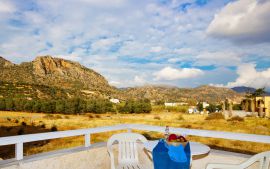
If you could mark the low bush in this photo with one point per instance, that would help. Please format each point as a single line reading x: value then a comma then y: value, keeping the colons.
x: 54, y: 128
x: 157, y: 118
x: 21, y: 131
x: 215, y: 116
x: 67, y: 117
x: 90, y: 116
x: 23, y: 123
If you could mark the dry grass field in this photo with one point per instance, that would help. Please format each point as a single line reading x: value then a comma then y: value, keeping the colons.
x: 16, y: 123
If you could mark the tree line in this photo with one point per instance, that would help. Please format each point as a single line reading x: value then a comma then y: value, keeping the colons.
x: 74, y: 106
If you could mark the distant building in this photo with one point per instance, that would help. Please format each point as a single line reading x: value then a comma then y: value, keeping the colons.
x: 115, y: 101
x: 175, y: 104
x: 205, y: 104
x: 193, y: 109
x: 171, y: 104
x: 259, y: 104
x: 263, y: 105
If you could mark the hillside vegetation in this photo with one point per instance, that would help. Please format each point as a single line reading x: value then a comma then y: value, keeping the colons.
x: 47, y: 77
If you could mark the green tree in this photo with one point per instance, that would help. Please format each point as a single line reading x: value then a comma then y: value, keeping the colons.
x: 60, y: 106
x: 237, y: 107
x: 2, y: 104
x: 200, y: 106
x: 36, y: 106
x: 9, y: 104
x: 19, y: 104
x: 47, y: 106
x: 211, y: 108
x: 28, y: 106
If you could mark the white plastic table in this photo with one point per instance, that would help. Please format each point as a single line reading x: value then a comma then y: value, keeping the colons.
x: 197, y: 149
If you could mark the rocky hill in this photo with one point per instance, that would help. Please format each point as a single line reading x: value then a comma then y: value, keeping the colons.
x: 167, y: 93
x: 55, y: 73
x: 47, y: 77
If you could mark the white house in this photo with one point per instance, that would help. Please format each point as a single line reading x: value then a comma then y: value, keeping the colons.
x: 171, y: 104
x: 205, y: 104
x: 115, y: 101
x: 192, y: 109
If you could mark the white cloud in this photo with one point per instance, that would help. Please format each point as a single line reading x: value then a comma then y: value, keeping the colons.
x: 217, y: 59
x: 145, y: 36
x: 69, y: 57
x: 249, y: 76
x: 103, y: 44
x: 244, y: 20
x: 114, y: 83
x: 169, y: 73
x: 156, y: 49
x: 6, y: 6
x: 139, y: 80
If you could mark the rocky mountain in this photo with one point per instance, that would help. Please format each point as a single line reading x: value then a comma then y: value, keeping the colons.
x: 48, y: 77
x: 201, y: 93
x: 243, y: 89
x: 56, y: 73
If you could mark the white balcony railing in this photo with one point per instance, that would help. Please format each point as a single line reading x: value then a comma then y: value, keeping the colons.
x: 19, y: 140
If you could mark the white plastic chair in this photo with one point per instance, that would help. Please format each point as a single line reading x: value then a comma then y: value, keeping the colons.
x: 127, y: 150
x: 263, y: 159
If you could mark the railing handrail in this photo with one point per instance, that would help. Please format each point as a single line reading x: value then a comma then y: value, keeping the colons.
x: 19, y: 140
x: 206, y: 133
x: 57, y: 134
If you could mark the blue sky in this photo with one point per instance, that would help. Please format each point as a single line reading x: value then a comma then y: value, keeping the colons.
x: 183, y: 43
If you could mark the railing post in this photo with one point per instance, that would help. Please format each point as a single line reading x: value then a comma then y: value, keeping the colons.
x: 19, y: 151
x: 87, y: 140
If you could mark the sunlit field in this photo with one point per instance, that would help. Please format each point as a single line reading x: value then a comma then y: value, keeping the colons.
x: 18, y: 123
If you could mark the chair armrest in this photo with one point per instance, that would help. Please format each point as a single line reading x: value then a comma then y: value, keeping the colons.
x: 222, y: 166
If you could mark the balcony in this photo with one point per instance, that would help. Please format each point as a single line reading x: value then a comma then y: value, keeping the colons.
x: 95, y: 156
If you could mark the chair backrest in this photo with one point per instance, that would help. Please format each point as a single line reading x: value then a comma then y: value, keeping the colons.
x: 263, y: 159
x: 127, y: 148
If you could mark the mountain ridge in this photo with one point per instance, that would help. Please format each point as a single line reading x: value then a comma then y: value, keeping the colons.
x: 71, y: 79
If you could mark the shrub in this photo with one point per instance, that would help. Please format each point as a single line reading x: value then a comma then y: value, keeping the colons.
x: 54, y: 128
x: 214, y: 116
x: 58, y: 116
x: 98, y: 116
x: 21, y: 131
x: 236, y: 118
x: 42, y: 124
x: 186, y: 126
x: 23, y: 123
x: 8, y: 119
x: 211, y: 108
x: 16, y: 121
x: 49, y: 116
x: 157, y: 118
x: 90, y: 116
x: 67, y: 117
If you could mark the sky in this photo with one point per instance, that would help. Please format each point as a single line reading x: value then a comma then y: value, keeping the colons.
x: 184, y: 43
